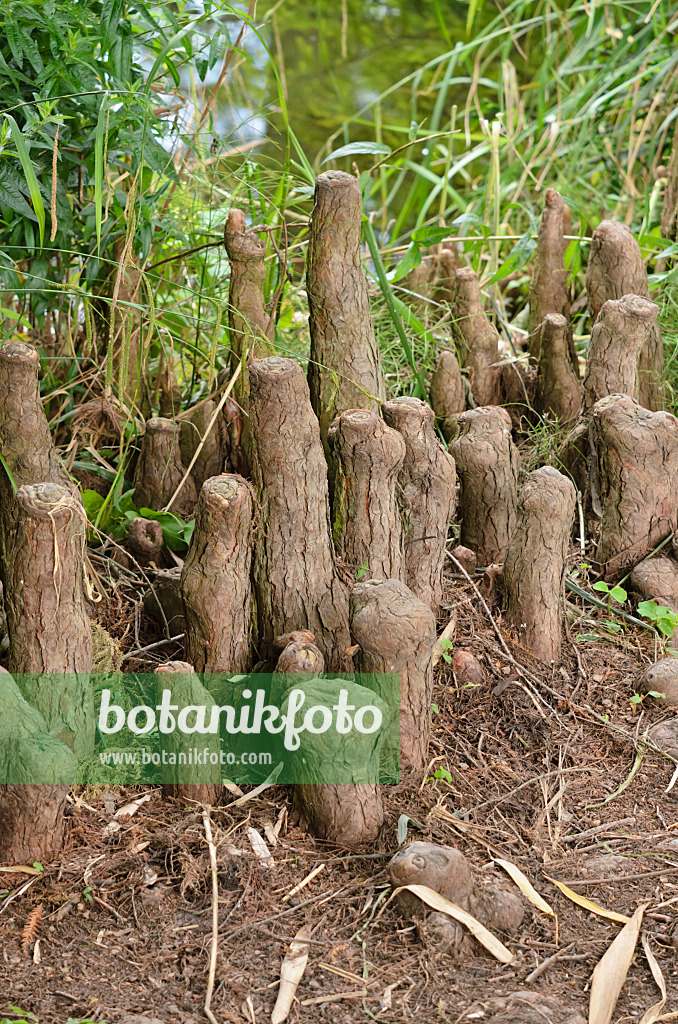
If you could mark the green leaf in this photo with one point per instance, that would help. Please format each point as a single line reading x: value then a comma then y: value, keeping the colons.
x: 92, y: 501
x: 602, y: 587
x: 410, y: 260
x: 358, y: 149
x: 13, y: 315
x: 517, y: 258
x: 618, y: 594
x: 666, y: 626
x: 29, y: 173
x: 435, y: 709
x: 648, y: 610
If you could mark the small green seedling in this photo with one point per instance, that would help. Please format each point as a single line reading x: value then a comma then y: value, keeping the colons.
x: 664, y: 619
x: 446, y: 647
x: 362, y: 571
x: 617, y: 594
x: 435, y: 710
x: 442, y: 773
x: 638, y: 698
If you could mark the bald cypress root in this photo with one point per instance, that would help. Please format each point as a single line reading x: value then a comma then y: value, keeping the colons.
x: 427, y: 489
x: 634, y: 480
x: 447, y: 392
x: 251, y: 327
x: 535, y: 561
x: 215, y: 579
x: 477, y: 338
x: 160, y: 470
x: 47, y: 619
x: 212, y: 454
x: 549, y: 292
x: 295, y: 580
x: 616, y: 269
x: 619, y: 335
x: 558, y: 387
x: 344, y: 371
x: 487, y: 466
x: 367, y: 456
x: 396, y: 632
x: 200, y: 783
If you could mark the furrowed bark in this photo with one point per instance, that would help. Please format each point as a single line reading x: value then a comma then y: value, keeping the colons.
x: 634, y: 480
x: 559, y: 392
x: 487, y: 466
x: 477, y: 338
x: 349, y: 814
x: 215, y: 579
x: 210, y: 461
x: 396, y: 632
x: 366, y: 457
x: 295, y: 580
x: 549, y: 292
x: 160, y: 470
x: 427, y: 488
x: 201, y: 783
x: 344, y: 371
x: 300, y: 657
x: 32, y: 818
x: 535, y: 561
x: 616, y: 269
x: 47, y: 620
x: 619, y: 335
x: 447, y: 392
x: 518, y: 393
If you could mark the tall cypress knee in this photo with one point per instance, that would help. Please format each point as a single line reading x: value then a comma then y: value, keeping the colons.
x: 634, y: 480
x: 215, y: 579
x: 477, y: 338
x: 618, y: 337
x: 427, y: 488
x: 549, y: 292
x: 396, y: 632
x: 48, y: 625
x: 487, y: 466
x: 160, y: 470
x: 188, y: 781
x: 447, y: 392
x: 344, y: 371
x: 535, y: 561
x: 558, y: 388
x: 616, y: 269
x: 295, y: 580
x: 367, y: 457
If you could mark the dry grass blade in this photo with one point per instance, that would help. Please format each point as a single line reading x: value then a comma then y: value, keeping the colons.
x: 31, y: 927
x: 21, y: 869
x: 479, y: 931
x: 653, y: 1014
x: 261, y: 850
x: 525, y: 886
x: 291, y: 973
x: 581, y: 901
x: 610, y: 972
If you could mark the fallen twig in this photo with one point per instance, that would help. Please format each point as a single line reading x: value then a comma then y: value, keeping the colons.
x: 215, y: 919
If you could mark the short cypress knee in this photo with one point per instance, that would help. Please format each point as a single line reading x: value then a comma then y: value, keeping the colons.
x: 447, y: 392
x: 558, y: 388
x: 160, y: 470
x: 201, y: 783
x: 477, y: 338
x: 535, y: 561
x: 619, y: 334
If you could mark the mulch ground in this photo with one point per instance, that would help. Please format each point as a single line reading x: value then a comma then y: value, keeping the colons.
x: 534, y: 772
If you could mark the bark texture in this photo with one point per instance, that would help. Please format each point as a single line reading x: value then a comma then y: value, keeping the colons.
x: 212, y: 455
x: 302, y: 657
x: 619, y: 334
x: 428, y: 495
x: 188, y: 782
x: 344, y: 371
x: 47, y: 619
x: 487, y: 465
x: 295, y: 580
x: 215, y: 579
x: 366, y: 457
x: 615, y: 269
x: 250, y: 325
x: 160, y: 470
x: 396, y: 632
x: 559, y: 392
x: 535, y: 561
x: 549, y: 292
x: 145, y: 541
x: 477, y: 338
x: 634, y: 480
x: 447, y: 392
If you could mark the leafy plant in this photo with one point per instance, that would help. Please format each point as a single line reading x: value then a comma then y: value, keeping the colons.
x: 617, y: 594
x: 665, y: 620
x: 446, y: 646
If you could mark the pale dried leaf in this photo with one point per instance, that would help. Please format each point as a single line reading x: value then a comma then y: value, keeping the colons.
x: 653, y: 1014
x: 261, y: 850
x: 132, y: 807
x: 36, y: 952
x: 21, y: 869
x: 291, y: 973
x: 610, y: 972
x: 581, y: 901
x: 479, y: 931
x: 525, y: 886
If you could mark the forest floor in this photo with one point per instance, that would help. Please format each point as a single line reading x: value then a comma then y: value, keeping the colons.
x: 528, y: 767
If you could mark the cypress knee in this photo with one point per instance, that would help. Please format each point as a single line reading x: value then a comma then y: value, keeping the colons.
x: 558, y: 388
x: 487, y: 466
x: 427, y: 487
x: 477, y: 338
x: 396, y: 632
x: 615, y: 269
x: 215, y: 579
x: 619, y: 334
x: 447, y: 392
x: 535, y: 561
x: 48, y: 625
x: 210, y: 460
x: 367, y: 456
x: 250, y: 326
x: 549, y: 292
x: 445, y: 264
x: 634, y: 480
x: 344, y: 371
x: 187, y: 781
x: 295, y: 580
x: 160, y: 470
